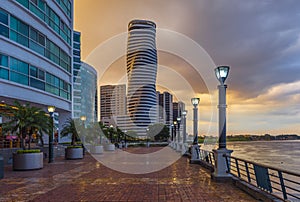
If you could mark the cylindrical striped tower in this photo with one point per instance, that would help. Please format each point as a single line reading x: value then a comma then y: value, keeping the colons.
x: 141, y: 74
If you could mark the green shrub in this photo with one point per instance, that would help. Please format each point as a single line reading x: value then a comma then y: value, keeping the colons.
x: 28, y: 151
x: 74, y: 146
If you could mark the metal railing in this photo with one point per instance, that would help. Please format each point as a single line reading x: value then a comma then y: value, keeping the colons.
x: 207, y: 156
x: 277, y: 182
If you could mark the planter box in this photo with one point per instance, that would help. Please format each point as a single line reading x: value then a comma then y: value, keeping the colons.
x: 97, y: 149
x: 110, y: 147
x: 28, y: 161
x: 74, y: 153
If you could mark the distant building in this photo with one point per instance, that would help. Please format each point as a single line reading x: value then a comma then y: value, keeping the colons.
x: 165, y: 109
x: 112, y: 101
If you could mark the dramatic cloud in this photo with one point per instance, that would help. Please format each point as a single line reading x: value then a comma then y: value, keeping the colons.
x: 260, y: 40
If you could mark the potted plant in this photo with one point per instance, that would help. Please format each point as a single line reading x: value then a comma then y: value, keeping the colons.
x: 75, y: 150
x: 25, y: 120
x: 94, y: 137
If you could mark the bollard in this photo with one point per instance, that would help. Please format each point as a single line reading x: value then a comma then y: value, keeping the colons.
x: 1, y: 167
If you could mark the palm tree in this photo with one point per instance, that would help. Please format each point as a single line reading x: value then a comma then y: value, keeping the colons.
x: 69, y: 127
x: 25, y: 119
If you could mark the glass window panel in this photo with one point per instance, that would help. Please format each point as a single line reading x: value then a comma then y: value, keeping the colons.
x: 33, y: 71
x: 18, y: 66
x: 33, y: 34
x: 4, y: 30
x: 36, y: 47
x: 52, y: 89
x: 41, y: 5
x: 41, y: 39
x: 37, y: 84
x: 13, y: 23
x: 3, y: 60
x: 3, y: 17
x: 19, y: 78
x: 41, y: 74
x: 37, y: 11
x: 34, y: 1
x: 22, y: 40
x: 23, y: 28
x: 24, y: 3
x: 3, y: 73
x: 63, y: 94
x: 56, y: 82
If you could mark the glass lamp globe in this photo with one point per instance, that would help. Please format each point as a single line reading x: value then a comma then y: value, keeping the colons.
x: 195, y: 101
x: 51, y: 109
x: 222, y: 73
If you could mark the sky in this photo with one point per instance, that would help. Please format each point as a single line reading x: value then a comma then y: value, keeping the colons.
x: 258, y: 39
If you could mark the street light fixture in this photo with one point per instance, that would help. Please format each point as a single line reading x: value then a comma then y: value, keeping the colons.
x: 222, y: 74
x: 184, y: 112
x: 220, y: 170
x: 178, y: 123
x: 51, y: 110
x: 195, y: 150
x: 195, y: 102
x: 111, y: 133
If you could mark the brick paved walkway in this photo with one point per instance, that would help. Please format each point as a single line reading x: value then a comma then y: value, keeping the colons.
x: 88, y: 180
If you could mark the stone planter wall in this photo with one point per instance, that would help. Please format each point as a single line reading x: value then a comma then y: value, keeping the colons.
x: 29, y: 161
x: 110, y: 147
x: 74, y: 153
x: 97, y: 149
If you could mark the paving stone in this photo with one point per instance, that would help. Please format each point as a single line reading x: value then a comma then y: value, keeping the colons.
x: 88, y: 180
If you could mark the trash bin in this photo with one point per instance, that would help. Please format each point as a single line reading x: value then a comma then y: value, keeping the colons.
x: 1, y: 167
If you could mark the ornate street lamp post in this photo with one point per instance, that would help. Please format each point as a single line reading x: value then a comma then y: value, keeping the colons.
x: 111, y: 133
x: 83, y: 119
x: 184, y: 146
x: 220, y: 165
x: 195, y: 147
x: 178, y: 136
x: 174, y: 138
x: 125, y: 140
x: 51, y: 110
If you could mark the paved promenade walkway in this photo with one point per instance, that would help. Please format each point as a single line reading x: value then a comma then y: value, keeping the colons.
x: 88, y: 180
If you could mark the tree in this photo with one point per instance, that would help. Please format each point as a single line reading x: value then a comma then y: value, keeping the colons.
x: 69, y: 127
x: 25, y: 120
x: 159, y: 132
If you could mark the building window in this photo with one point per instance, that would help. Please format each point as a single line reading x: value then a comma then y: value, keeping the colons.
x: 45, y: 13
x: 66, y: 6
x: 25, y: 74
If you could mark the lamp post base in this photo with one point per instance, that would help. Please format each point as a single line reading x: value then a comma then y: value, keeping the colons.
x: 184, y: 148
x: 195, y: 153
x: 179, y: 146
x: 220, y: 169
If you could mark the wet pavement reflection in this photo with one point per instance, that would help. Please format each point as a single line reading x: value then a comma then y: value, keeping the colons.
x: 88, y: 180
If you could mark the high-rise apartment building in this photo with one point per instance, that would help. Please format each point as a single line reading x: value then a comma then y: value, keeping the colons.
x: 165, y: 109
x: 141, y: 74
x: 36, y: 53
x: 112, y: 101
x: 178, y: 108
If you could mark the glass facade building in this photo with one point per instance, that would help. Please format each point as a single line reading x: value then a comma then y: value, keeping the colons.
x: 84, y: 85
x: 36, y: 53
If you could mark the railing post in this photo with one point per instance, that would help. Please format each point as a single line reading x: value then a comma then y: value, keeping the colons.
x: 247, y: 170
x: 237, y: 167
x: 210, y: 161
x: 282, y: 185
x: 227, y: 163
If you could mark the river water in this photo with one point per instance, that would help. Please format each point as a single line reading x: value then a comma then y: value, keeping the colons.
x: 284, y: 154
